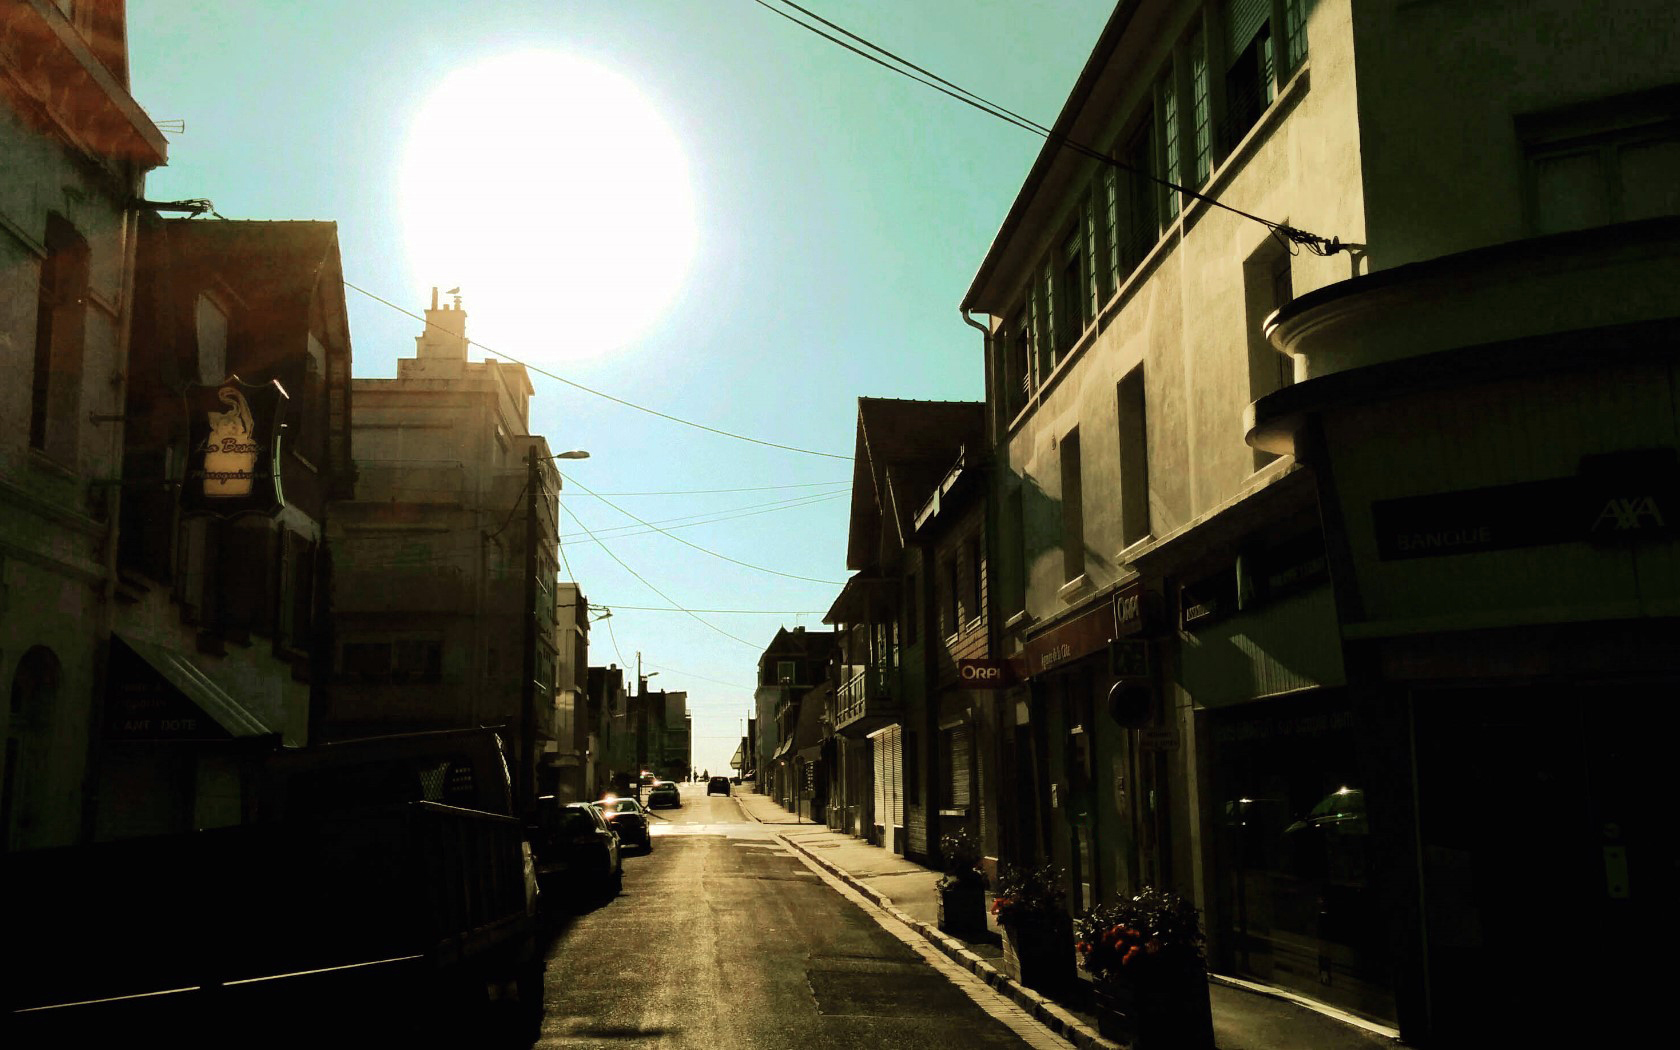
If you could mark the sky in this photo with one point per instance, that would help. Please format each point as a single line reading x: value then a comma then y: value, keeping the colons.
x: 789, y: 228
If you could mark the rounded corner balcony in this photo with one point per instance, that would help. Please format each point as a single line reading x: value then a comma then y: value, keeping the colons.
x: 1556, y: 303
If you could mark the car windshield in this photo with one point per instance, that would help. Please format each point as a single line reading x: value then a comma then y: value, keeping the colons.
x: 618, y: 805
x: 574, y: 822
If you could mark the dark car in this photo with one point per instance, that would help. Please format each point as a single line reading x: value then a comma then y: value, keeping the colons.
x: 717, y: 786
x: 628, y: 820
x: 663, y: 793
x: 576, y: 850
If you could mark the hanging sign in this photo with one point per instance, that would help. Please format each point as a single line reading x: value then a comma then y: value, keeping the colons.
x: 233, y: 456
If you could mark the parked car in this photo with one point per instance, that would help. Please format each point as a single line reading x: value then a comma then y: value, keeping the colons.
x: 664, y: 793
x: 717, y: 786
x: 628, y: 820
x: 576, y: 850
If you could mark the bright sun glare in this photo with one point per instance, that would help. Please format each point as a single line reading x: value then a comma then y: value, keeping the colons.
x: 556, y: 197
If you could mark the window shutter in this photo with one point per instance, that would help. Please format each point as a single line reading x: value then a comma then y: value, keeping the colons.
x: 961, y: 766
x: 1243, y: 19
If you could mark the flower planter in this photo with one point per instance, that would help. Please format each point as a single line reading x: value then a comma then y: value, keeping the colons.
x: 1040, y: 955
x: 1168, y: 1011
x: 962, y: 909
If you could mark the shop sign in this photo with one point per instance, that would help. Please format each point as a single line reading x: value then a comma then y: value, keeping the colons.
x: 1616, y: 498
x: 1136, y: 611
x: 233, y: 456
x: 1159, y: 738
x: 1081, y: 636
x: 983, y: 674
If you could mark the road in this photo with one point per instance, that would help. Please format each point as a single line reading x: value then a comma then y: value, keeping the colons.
x: 722, y: 938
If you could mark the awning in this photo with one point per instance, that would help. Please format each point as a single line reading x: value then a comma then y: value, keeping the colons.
x: 138, y: 710
x: 782, y: 748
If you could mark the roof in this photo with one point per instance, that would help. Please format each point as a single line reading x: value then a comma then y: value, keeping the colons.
x: 904, y: 448
x: 800, y: 642
x: 271, y: 259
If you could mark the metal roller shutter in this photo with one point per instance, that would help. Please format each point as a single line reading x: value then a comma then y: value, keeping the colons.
x: 961, y: 764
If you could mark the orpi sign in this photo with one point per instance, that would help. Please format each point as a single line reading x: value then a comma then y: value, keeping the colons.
x: 983, y: 674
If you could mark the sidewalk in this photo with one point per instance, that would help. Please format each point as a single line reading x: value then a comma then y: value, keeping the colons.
x: 1243, y: 1019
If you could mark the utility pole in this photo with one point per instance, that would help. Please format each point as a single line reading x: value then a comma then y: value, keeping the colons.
x: 526, y: 784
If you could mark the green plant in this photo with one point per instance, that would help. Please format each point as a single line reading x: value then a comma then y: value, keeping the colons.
x: 1029, y: 895
x: 961, y: 855
x: 1147, y: 936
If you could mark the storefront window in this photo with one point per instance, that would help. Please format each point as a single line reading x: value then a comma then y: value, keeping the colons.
x: 1295, y: 863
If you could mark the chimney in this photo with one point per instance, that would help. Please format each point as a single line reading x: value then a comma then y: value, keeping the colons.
x: 445, y: 335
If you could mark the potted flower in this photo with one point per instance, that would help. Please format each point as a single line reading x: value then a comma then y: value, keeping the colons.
x: 1151, y: 981
x: 1031, y: 907
x: 962, y: 892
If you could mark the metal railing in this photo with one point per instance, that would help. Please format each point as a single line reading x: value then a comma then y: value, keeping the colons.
x: 853, y: 698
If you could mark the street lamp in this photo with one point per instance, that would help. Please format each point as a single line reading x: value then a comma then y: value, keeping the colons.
x: 576, y: 453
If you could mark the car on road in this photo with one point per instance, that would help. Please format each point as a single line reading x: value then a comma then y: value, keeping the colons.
x: 628, y: 820
x: 576, y: 851
x: 717, y: 786
x: 663, y: 793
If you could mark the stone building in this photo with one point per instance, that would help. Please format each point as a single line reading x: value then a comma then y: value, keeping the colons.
x: 1316, y: 530
x: 77, y: 148
x: 431, y: 590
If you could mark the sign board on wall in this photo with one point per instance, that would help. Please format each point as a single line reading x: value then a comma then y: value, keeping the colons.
x: 1067, y: 642
x: 984, y: 674
x: 233, y: 454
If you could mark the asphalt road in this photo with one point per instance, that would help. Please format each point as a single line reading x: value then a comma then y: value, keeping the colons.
x: 723, y: 939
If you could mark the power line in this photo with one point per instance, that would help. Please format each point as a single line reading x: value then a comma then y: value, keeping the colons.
x: 614, y: 636
x: 674, y: 604
x: 600, y: 393
x: 623, y: 531
x: 1283, y: 231
x: 696, y: 546
x: 703, y: 678
x: 755, y: 488
x: 742, y: 612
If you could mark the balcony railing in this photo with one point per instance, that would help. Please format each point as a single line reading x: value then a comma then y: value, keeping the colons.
x: 866, y: 696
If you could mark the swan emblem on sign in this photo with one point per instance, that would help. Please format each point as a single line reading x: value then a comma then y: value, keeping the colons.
x: 230, y: 451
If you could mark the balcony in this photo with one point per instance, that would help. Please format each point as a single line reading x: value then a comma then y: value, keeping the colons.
x: 865, y: 703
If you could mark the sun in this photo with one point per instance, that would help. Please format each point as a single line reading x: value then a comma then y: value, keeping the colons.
x: 556, y: 196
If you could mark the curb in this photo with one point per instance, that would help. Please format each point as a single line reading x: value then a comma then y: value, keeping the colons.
x: 1045, y: 1011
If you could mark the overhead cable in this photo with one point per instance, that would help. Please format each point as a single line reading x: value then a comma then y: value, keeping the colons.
x: 600, y: 393
x: 1312, y: 242
x: 673, y: 602
x: 696, y: 546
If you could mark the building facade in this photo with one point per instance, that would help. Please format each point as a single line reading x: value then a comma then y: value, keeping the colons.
x: 77, y: 148
x: 431, y: 599
x: 1311, y: 529
x: 236, y: 440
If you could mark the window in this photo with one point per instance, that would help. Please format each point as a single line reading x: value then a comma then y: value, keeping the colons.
x: 1134, y: 459
x: 1250, y: 77
x: 1200, y: 113
x: 60, y: 310
x: 912, y: 609
x: 1295, y: 33
x: 975, y: 570
x: 1142, y: 224
x: 1094, y: 282
x: 1612, y: 160
x: 1017, y: 372
x: 1039, y: 300
x: 956, y: 746
x: 787, y: 672
x: 1166, y: 95
x: 1070, y: 286
x: 1073, y: 511
x: 950, y: 610
x: 1111, y: 222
